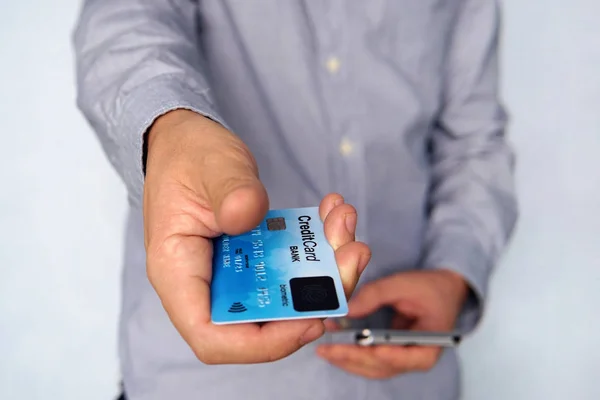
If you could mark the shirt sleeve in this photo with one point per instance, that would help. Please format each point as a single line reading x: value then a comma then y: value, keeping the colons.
x: 136, y: 60
x: 473, y: 209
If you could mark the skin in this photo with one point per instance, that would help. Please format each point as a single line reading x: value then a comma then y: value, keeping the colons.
x: 423, y: 300
x: 201, y: 181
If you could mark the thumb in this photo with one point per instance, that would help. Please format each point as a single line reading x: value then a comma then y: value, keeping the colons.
x: 229, y: 180
x: 212, y: 165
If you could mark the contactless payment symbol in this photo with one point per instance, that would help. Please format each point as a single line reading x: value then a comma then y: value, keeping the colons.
x: 237, y: 307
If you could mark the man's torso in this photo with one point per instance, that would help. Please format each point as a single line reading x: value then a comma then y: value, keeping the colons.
x: 333, y: 96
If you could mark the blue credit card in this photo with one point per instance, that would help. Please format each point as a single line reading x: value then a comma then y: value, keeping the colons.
x: 283, y: 269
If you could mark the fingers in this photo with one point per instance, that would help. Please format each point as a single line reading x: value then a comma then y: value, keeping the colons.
x: 251, y: 343
x: 409, y: 358
x: 340, y: 225
x: 230, y: 182
x: 185, y: 294
x: 331, y: 325
x: 369, y: 373
x: 241, y: 208
x: 348, y: 358
x: 380, y: 362
x: 176, y: 269
x: 352, y: 259
x: 369, y: 298
x: 184, y: 289
x: 382, y: 292
x: 328, y: 203
x: 416, y: 299
x: 340, y: 221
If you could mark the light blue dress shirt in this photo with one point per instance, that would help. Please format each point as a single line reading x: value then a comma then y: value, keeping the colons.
x: 392, y: 103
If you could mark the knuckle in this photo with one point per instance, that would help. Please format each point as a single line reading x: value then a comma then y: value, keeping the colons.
x: 173, y: 247
x: 152, y: 269
x: 276, y: 354
x: 233, y: 182
x: 231, y: 152
x: 384, y: 375
x: 342, y: 210
x: 207, y: 354
x: 152, y: 273
x: 365, y: 251
x: 243, y: 155
x: 205, y: 357
x: 365, y: 248
x: 426, y: 364
x: 208, y: 360
x: 425, y: 368
x: 348, y: 208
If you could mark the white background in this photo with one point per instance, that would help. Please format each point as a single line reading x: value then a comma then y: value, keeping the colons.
x: 62, y: 210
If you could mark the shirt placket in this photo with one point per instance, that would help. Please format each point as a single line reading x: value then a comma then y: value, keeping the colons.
x: 334, y: 70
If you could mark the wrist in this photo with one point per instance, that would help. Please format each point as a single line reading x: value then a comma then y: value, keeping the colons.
x: 178, y: 137
x: 454, y: 285
x: 174, y: 121
x: 163, y: 123
x: 182, y: 144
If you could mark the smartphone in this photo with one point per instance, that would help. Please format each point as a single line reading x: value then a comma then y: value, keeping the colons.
x: 376, y: 329
x: 374, y: 337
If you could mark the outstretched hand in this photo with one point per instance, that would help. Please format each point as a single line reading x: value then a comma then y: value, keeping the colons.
x: 201, y: 182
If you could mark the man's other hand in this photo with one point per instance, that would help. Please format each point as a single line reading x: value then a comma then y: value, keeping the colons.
x: 423, y: 300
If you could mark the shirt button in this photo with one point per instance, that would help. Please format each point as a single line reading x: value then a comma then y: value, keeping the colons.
x: 346, y: 147
x: 333, y: 64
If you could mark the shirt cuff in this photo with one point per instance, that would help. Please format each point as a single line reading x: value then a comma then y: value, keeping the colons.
x: 463, y: 254
x: 140, y: 109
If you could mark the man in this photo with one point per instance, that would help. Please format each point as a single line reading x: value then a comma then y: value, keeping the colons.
x: 391, y: 103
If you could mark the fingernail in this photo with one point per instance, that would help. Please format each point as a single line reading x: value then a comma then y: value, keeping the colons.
x: 339, y: 202
x: 312, y: 334
x: 351, y: 223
